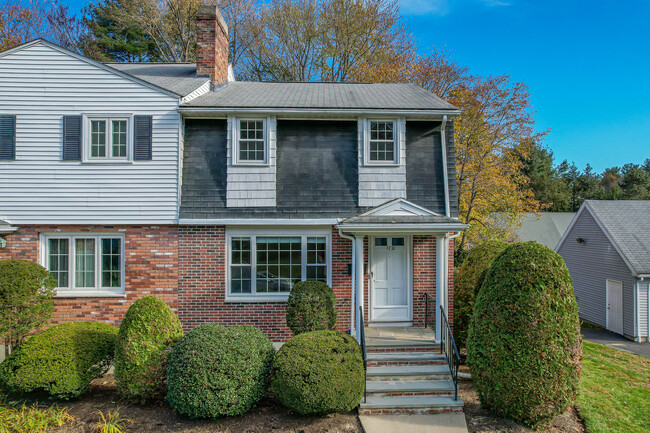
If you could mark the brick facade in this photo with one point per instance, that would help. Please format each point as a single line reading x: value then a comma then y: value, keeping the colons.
x: 150, y: 268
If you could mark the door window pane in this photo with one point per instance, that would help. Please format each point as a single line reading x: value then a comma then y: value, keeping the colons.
x: 381, y: 242
x: 111, y: 263
x: 240, y: 270
x: 98, y: 138
x: 58, y: 253
x: 279, y: 263
x: 119, y: 138
x: 398, y: 242
x: 317, y: 259
x: 84, y: 263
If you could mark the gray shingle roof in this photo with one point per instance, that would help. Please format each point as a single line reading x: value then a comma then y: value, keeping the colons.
x: 179, y: 78
x: 246, y: 94
x: 547, y: 229
x: 628, y: 225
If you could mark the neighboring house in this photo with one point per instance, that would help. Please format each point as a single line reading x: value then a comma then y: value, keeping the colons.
x: 545, y: 228
x: 607, y: 251
x: 215, y: 195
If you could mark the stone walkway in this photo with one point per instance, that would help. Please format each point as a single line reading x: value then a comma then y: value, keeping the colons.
x: 441, y: 423
x: 616, y: 341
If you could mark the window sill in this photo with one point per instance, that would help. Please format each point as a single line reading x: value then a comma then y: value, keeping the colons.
x: 89, y: 294
x: 256, y: 299
x: 381, y: 164
x: 250, y: 164
x: 108, y: 161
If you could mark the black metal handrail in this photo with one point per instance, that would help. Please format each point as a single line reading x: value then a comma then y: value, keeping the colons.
x: 448, y: 346
x: 362, y: 333
x: 428, y: 302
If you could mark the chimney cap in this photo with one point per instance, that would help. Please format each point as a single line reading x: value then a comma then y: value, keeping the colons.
x: 209, y: 11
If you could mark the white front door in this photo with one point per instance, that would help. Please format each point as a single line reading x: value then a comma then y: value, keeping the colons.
x: 615, y: 306
x: 390, y: 294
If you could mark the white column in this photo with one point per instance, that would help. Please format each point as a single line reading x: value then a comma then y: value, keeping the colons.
x: 441, y: 287
x: 359, y: 274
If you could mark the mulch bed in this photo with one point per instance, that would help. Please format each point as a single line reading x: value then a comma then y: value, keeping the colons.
x: 267, y: 416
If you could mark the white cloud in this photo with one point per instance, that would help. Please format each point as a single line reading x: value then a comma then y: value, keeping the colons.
x: 496, y: 2
x: 424, y: 7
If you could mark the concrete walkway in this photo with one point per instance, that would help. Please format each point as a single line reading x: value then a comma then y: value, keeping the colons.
x: 439, y: 423
x: 616, y: 341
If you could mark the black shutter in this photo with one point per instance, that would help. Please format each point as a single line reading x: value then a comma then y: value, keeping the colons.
x: 7, y: 137
x: 142, y: 142
x: 72, y: 138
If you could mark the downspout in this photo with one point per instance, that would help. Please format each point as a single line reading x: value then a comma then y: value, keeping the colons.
x: 443, y: 142
x: 635, y: 316
x: 353, y: 305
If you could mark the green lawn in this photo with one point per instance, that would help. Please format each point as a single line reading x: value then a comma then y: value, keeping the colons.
x: 614, y: 390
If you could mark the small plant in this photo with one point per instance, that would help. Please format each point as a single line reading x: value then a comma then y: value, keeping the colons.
x: 111, y: 422
x: 149, y: 328
x: 26, y: 292
x: 31, y: 419
x: 311, y: 307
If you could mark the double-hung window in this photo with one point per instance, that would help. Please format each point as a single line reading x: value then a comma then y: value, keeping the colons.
x: 85, y: 264
x: 108, y: 138
x: 251, y: 142
x: 382, y: 142
x: 268, y: 265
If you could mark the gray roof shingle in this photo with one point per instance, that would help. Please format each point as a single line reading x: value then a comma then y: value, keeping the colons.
x: 628, y: 224
x: 179, y: 78
x: 247, y: 94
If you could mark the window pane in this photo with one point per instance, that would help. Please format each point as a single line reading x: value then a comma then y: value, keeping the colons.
x: 278, y: 263
x: 381, y: 242
x: 111, y: 262
x: 251, y: 140
x: 58, y: 260
x: 84, y: 263
x: 240, y: 270
x: 317, y: 259
x: 97, y: 138
x: 119, y: 138
x: 398, y: 242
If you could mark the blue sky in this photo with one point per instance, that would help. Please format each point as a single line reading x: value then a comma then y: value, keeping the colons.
x: 587, y: 63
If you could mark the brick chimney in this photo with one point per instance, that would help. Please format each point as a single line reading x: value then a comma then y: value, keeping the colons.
x: 211, y: 44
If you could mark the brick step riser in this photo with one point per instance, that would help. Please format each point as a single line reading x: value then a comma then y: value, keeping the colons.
x: 412, y: 394
x: 432, y: 349
x: 422, y: 411
x: 409, y: 378
x: 405, y: 363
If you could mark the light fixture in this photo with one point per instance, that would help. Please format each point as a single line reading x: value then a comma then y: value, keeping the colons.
x: 581, y: 240
x: 3, y: 242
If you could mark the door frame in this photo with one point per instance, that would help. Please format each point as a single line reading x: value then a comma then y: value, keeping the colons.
x: 607, y: 281
x: 408, y: 245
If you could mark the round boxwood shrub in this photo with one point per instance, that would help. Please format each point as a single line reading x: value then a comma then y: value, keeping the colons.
x: 146, y: 333
x: 524, y: 347
x: 61, y: 361
x: 468, y: 282
x: 218, y: 371
x: 311, y: 307
x: 319, y: 372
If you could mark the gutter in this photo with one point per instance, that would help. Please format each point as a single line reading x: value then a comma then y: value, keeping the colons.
x: 297, y: 111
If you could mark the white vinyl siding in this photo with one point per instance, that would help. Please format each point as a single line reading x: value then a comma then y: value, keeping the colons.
x: 40, y: 86
x: 379, y: 181
x: 644, y: 307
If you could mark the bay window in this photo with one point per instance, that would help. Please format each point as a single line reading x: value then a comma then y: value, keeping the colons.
x: 268, y: 265
x: 85, y: 264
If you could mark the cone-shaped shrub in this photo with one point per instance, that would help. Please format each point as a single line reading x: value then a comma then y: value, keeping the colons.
x: 61, y: 361
x: 319, y: 372
x: 524, y: 348
x: 149, y: 328
x: 311, y: 307
x: 468, y: 282
x: 219, y: 371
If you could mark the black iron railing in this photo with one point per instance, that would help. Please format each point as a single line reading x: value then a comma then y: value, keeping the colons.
x: 429, y: 306
x: 448, y: 346
x: 362, y: 333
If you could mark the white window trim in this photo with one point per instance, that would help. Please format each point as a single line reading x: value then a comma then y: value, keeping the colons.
x: 396, y: 142
x: 86, y: 137
x: 98, y: 291
x: 236, y: 124
x: 273, y: 297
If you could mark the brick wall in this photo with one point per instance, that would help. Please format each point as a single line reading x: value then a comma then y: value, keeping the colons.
x: 424, y: 277
x: 211, y: 44
x: 150, y: 268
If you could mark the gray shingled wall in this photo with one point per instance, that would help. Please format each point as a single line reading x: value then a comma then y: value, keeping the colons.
x: 424, y: 182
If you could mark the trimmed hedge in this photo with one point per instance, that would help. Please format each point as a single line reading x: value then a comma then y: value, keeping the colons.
x: 149, y: 328
x: 468, y: 281
x: 319, y: 372
x: 61, y: 360
x: 524, y: 347
x: 218, y: 371
x: 311, y: 307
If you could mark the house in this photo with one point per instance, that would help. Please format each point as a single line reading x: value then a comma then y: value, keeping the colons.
x: 545, y: 228
x: 216, y: 195
x: 607, y: 251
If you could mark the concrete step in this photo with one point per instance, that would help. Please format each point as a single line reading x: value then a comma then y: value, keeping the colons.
x: 405, y: 357
x: 429, y: 402
x: 408, y: 370
x: 409, y: 387
x: 403, y: 345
